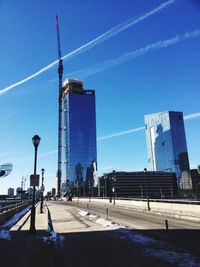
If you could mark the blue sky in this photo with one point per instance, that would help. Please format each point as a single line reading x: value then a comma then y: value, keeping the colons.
x: 149, y: 63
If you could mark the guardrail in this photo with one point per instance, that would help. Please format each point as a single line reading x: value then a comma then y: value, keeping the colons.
x: 8, y: 211
x: 13, y: 206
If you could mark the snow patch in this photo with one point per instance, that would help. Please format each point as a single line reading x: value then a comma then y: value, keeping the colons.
x: 57, y: 239
x: 53, y: 236
x: 105, y: 223
x: 83, y: 212
x: 108, y: 224
x: 180, y: 259
x: 92, y: 217
x: 14, y: 219
x: 4, y: 234
x: 4, y: 228
x: 136, y: 237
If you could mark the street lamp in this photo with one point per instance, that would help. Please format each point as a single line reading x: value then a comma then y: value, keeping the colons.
x: 141, y: 190
x: 161, y: 195
x: 146, y: 187
x: 172, y: 195
x: 36, y: 141
x: 42, y: 190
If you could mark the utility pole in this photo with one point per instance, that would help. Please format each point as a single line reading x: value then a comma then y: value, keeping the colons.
x: 60, y: 73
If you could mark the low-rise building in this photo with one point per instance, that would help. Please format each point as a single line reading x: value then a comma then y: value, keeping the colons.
x: 140, y: 184
x: 18, y: 191
x: 53, y: 192
x: 11, y: 192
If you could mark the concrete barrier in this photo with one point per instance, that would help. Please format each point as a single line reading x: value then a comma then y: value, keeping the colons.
x: 179, y: 210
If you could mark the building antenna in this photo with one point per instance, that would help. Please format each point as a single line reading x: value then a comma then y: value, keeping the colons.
x: 60, y: 73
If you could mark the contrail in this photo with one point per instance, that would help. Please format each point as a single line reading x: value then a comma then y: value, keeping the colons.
x: 100, y: 39
x: 186, y: 117
x: 40, y: 156
x: 11, y: 153
x: 121, y: 133
x: 192, y: 116
x: 136, y: 53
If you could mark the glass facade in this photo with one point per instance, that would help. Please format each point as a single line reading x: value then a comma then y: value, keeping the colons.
x: 166, y: 142
x: 80, y: 154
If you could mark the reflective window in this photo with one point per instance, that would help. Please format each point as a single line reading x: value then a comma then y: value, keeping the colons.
x: 80, y: 140
x: 166, y: 142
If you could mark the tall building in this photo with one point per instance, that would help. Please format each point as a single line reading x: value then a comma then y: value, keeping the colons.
x: 79, y: 122
x: 166, y: 142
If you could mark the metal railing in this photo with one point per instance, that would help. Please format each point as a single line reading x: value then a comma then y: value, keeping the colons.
x: 13, y: 206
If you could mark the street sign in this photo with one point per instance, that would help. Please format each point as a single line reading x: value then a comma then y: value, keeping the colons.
x: 34, y: 180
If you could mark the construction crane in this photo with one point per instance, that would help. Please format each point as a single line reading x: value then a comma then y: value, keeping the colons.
x: 60, y: 73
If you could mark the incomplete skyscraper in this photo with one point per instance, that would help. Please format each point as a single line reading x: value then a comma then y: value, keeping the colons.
x: 79, y: 122
x: 166, y: 142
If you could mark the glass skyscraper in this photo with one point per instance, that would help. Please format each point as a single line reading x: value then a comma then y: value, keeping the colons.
x: 166, y: 142
x: 79, y: 120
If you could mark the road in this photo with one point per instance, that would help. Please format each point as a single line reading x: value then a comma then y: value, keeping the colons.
x: 184, y: 234
x: 67, y: 236
x: 98, y: 246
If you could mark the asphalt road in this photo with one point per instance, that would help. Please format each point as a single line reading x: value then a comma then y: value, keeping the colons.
x: 84, y: 244
x: 184, y: 234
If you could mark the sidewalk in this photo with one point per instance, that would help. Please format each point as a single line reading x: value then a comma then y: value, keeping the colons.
x: 41, y: 220
x: 69, y: 221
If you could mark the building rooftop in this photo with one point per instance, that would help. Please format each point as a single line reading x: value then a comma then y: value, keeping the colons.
x: 74, y: 86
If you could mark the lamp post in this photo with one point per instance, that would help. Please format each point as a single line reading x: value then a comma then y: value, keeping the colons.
x: 141, y: 190
x: 172, y: 195
x: 36, y: 141
x: 42, y: 190
x: 146, y: 187
x: 161, y: 195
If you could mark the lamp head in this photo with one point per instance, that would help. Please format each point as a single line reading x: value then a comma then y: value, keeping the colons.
x: 36, y: 140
